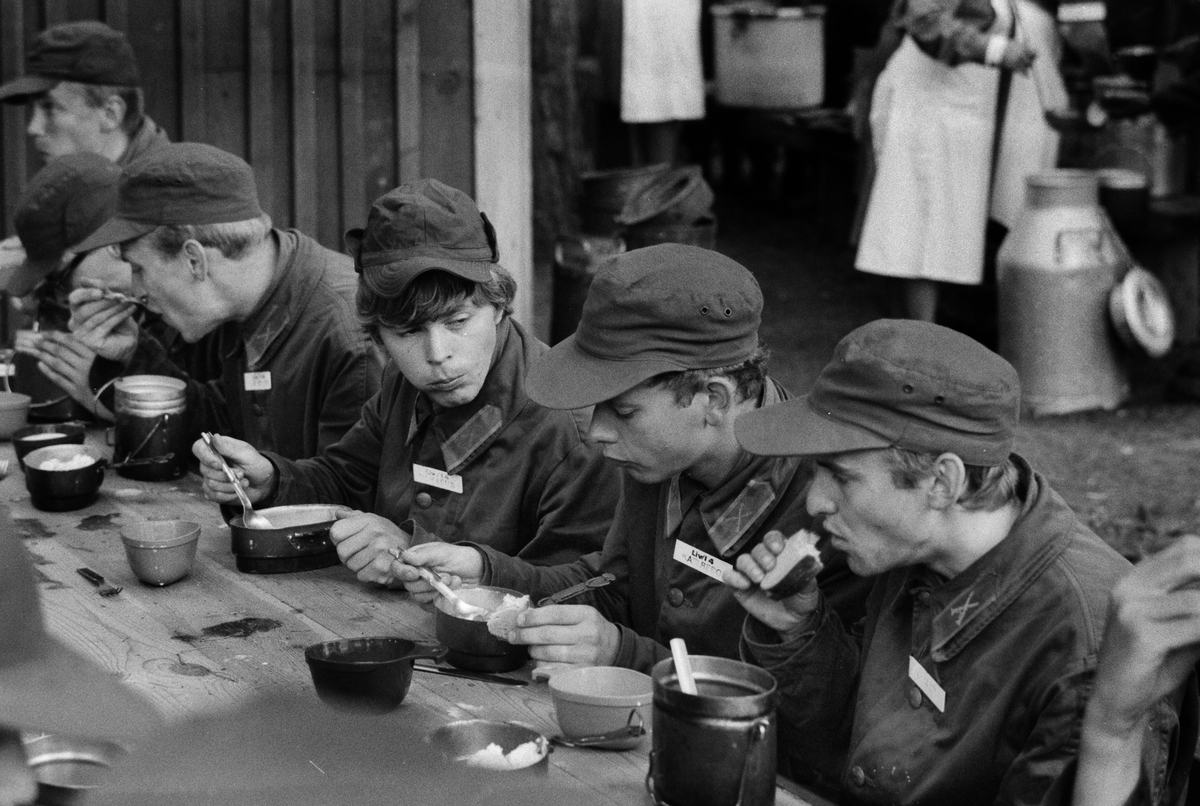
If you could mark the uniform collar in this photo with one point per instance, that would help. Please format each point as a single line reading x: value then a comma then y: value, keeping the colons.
x: 266, y: 328
x: 968, y: 603
x: 464, y: 432
x: 732, y: 511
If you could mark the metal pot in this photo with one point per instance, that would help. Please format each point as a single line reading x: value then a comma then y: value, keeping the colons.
x: 470, y: 644
x: 63, y: 490
x: 299, y: 542
x: 717, y: 746
x: 366, y: 674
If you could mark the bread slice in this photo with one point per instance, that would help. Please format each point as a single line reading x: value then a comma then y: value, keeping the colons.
x: 503, y: 619
x: 796, y: 566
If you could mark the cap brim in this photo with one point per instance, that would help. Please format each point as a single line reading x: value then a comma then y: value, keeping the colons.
x: 569, y: 378
x: 59, y: 691
x: 114, y: 231
x: 794, y: 428
x: 17, y: 90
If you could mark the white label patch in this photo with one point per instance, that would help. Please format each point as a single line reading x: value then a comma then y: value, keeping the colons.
x: 437, y: 478
x: 929, y: 687
x: 702, y: 561
x: 257, y: 381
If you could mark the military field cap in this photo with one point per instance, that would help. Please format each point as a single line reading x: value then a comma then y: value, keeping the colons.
x: 900, y: 383
x: 65, y: 202
x: 87, y: 52
x: 417, y: 227
x: 664, y: 308
x: 44, y: 686
x: 179, y: 184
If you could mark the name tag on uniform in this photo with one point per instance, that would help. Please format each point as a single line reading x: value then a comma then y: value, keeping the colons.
x: 701, y: 561
x: 929, y: 687
x: 257, y: 381
x: 437, y: 478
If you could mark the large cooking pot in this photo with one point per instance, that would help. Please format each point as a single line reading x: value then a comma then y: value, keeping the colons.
x: 470, y: 644
x: 299, y: 540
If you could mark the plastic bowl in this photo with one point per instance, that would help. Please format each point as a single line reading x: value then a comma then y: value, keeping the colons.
x: 62, y: 490
x: 32, y: 437
x: 491, y: 745
x: 66, y: 768
x: 598, y: 700
x: 161, y: 552
x: 366, y: 674
x: 14, y: 412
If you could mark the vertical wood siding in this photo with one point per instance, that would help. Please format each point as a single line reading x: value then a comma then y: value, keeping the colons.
x: 333, y: 102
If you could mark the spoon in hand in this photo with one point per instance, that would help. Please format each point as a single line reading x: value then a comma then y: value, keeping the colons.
x: 464, y: 608
x: 251, y: 518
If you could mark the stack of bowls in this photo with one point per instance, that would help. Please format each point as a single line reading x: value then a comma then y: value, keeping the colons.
x: 32, y: 437
x: 161, y: 552
x: 14, y: 412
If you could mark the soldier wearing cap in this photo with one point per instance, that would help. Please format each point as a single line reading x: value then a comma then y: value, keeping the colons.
x: 967, y: 679
x: 668, y: 353
x: 82, y: 84
x: 44, y: 686
x: 275, y: 353
x: 451, y: 449
x: 64, y: 203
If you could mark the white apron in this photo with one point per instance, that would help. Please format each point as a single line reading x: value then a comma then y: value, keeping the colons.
x: 662, y: 77
x: 1027, y: 143
x: 933, y: 127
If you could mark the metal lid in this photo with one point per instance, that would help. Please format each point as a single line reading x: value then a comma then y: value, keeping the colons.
x: 1141, y: 313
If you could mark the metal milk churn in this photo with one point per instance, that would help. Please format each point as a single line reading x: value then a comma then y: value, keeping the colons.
x: 715, y: 747
x: 1055, y: 270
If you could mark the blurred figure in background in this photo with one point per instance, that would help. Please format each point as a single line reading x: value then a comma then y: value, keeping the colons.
x: 933, y: 121
x: 662, y: 77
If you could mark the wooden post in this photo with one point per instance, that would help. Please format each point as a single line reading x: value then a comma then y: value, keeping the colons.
x: 503, y: 137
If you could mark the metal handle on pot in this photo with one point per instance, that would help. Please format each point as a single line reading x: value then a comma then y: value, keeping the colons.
x: 758, y: 732
x: 633, y: 727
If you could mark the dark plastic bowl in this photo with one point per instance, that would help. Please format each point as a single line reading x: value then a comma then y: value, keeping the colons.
x: 62, y: 490
x: 366, y: 674
x: 32, y: 437
x: 470, y: 644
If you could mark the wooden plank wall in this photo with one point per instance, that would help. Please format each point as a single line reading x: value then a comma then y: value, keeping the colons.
x: 333, y: 102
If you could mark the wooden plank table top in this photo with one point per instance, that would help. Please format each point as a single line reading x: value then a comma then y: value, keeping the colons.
x: 220, y: 637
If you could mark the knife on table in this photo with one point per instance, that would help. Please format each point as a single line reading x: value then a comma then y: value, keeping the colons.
x: 481, y: 676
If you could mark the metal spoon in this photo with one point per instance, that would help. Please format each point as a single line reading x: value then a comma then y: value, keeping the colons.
x: 463, y: 608
x: 251, y: 518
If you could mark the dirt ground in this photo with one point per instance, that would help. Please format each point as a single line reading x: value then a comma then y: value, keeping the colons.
x: 1131, y: 473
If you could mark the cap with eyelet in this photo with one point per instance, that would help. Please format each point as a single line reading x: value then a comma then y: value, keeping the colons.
x: 664, y: 308
x: 897, y: 383
x: 86, y: 52
x: 179, y: 184
x: 65, y: 202
x: 418, y: 227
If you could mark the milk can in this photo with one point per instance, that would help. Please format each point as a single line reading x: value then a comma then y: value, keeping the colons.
x: 715, y: 747
x: 151, y: 424
x: 1055, y: 271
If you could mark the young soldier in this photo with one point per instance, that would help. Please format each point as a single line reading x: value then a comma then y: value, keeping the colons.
x: 667, y: 350
x: 968, y: 677
x: 84, y: 92
x: 274, y: 354
x: 451, y: 448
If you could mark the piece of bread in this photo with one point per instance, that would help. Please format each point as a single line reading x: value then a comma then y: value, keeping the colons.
x: 796, y: 566
x: 503, y: 619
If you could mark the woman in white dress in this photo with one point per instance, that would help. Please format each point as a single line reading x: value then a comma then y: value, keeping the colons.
x: 933, y: 121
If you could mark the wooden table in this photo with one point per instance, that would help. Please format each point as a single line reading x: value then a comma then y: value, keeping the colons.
x: 220, y: 637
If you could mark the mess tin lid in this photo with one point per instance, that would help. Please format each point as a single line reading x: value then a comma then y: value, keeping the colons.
x: 1141, y: 313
